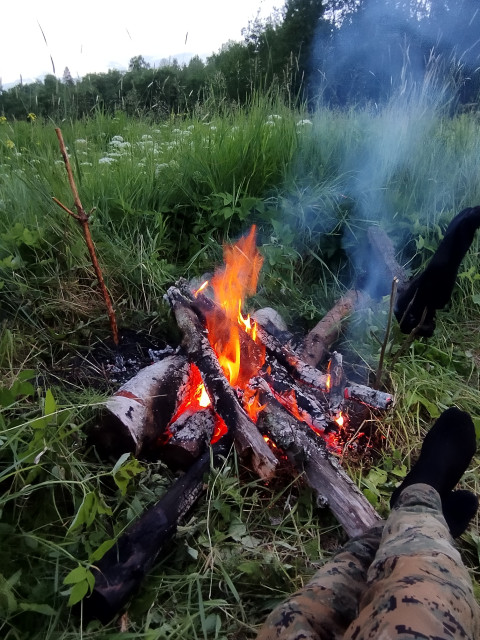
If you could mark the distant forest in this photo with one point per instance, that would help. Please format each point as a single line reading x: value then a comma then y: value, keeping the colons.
x: 342, y: 52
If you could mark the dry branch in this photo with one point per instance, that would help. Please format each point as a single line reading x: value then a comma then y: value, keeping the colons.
x: 82, y: 218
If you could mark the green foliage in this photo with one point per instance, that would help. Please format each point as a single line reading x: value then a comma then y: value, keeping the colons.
x: 166, y: 197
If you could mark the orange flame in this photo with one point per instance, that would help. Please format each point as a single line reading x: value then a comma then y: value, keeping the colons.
x: 201, y: 288
x: 251, y: 403
x: 340, y: 419
x: 195, y: 396
x: 231, y: 284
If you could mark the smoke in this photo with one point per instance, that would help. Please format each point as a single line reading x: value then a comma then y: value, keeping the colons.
x: 397, y: 69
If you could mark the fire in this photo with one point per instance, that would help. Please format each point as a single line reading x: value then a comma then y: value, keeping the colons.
x: 201, y: 288
x: 340, y: 419
x: 251, y: 403
x: 239, y: 358
x: 195, y: 396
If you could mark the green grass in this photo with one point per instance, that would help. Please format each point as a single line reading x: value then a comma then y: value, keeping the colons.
x: 171, y: 193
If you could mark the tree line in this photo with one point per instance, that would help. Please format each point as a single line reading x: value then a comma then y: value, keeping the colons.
x: 342, y: 51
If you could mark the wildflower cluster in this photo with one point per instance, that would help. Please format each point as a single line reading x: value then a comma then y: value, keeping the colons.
x: 31, y: 117
x: 3, y: 120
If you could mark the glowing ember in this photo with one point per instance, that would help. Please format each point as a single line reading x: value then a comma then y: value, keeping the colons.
x: 340, y: 419
x: 270, y: 442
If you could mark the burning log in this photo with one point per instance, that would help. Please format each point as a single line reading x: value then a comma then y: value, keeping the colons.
x: 432, y: 289
x: 187, y: 438
x: 225, y: 402
x: 119, y: 573
x: 287, y: 357
x: 139, y: 412
x: 298, y: 399
x: 323, y: 473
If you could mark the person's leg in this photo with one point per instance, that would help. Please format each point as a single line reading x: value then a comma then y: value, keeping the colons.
x: 418, y: 587
x: 323, y: 609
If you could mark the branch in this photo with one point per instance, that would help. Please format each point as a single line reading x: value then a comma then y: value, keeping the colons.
x: 82, y: 217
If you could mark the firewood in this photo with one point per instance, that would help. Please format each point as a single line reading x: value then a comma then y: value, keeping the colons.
x: 136, y: 416
x: 371, y: 397
x: 308, y: 452
x: 313, y: 409
x: 248, y: 440
x: 119, y: 573
x: 295, y: 365
x: 187, y: 438
x: 382, y: 254
x: 320, y: 339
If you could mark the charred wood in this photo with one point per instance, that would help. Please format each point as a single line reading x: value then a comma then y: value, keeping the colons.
x: 287, y: 357
x: 308, y: 452
x: 119, y: 573
x: 366, y: 395
x: 195, y: 342
x: 187, y: 438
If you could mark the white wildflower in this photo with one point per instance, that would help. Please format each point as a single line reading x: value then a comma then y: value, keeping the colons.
x: 146, y: 137
x: 106, y: 160
x: 80, y: 141
x: 302, y: 123
x: 86, y: 164
x: 117, y: 139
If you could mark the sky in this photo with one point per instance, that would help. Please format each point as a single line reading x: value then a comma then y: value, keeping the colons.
x: 97, y: 35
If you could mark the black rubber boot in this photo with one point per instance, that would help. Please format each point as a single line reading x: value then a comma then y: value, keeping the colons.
x: 446, y: 452
x: 458, y: 508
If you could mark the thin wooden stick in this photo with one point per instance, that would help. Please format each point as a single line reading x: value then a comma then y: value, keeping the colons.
x: 82, y: 217
x: 379, y: 372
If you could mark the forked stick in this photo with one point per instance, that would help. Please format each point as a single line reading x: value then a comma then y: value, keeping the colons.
x: 82, y: 217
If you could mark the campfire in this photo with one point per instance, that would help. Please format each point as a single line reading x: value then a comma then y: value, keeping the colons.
x: 235, y: 378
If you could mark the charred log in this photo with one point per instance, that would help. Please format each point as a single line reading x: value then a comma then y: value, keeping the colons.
x: 187, y: 438
x: 287, y: 357
x: 195, y: 341
x: 371, y: 397
x: 308, y: 452
x: 118, y: 575
x: 432, y: 289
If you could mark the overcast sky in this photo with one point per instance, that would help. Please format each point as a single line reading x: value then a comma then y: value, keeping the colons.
x: 95, y: 35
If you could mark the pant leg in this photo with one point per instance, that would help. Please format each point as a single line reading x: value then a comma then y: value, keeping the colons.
x: 417, y: 586
x: 324, y: 608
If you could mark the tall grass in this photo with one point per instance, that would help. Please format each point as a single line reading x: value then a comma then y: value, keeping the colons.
x: 166, y: 196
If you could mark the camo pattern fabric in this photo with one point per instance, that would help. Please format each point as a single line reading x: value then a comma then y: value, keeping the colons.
x: 405, y: 583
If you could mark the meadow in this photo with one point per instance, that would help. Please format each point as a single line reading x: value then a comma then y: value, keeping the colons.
x: 166, y: 195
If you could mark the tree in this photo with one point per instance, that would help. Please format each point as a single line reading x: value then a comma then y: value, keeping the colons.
x: 138, y: 63
x: 67, y: 78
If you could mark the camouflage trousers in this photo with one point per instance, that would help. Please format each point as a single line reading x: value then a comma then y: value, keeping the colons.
x: 404, y: 581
